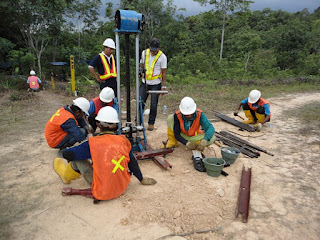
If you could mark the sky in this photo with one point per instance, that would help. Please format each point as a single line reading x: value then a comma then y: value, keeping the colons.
x: 194, y: 8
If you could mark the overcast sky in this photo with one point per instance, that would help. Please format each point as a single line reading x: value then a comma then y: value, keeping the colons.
x: 194, y: 8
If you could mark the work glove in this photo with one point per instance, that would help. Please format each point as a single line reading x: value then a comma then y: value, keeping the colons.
x: 148, y: 181
x: 89, y: 135
x: 202, y: 145
x: 192, y: 145
x: 258, y: 127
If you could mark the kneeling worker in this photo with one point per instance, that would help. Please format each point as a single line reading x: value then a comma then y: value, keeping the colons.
x: 112, y: 159
x: 256, y: 109
x: 106, y: 98
x: 191, y: 127
x: 67, y: 126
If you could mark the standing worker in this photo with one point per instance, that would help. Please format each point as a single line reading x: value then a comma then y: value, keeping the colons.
x: 154, y: 64
x: 67, y: 126
x: 106, y: 66
x: 256, y: 109
x: 34, y: 82
x: 184, y: 126
x: 112, y: 160
x: 106, y: 98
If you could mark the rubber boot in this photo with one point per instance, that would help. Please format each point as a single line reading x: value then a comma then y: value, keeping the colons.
x: 260, y: 117
x: 249, y: 116
x: 66, y: 173
x: 172, y: 142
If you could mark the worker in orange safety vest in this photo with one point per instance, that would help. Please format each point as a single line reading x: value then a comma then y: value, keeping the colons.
x: 33, y: 82
x: 112, y: 160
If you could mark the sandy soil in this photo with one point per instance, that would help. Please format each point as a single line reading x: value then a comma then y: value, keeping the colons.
x: 284, y: 190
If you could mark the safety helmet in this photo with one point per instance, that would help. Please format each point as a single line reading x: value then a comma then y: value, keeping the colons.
x: 82, y: 103
x: 107, y: 115
x: 109, y: 43
x: 254, y: 96
x: 187, y: 106
x: 32, y: 72
x: 106, y: 95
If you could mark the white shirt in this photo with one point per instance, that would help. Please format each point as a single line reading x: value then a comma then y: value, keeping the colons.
x: 160, y: 64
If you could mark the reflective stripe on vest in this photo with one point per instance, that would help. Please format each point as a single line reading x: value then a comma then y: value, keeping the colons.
x: 110, y: 158
x: 53, y: 131
x: 33, y: 82
x: 149, y: 72
x: 261, y: 102
x: 108, y: 73
x: 195, y: 127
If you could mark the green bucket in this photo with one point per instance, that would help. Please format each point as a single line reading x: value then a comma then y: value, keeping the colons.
x: 230, y: 154
x: 213, y: 166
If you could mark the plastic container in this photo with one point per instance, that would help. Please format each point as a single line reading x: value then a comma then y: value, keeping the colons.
x: 230, y: 154
x: 214, y: 166
x: 164, y: 111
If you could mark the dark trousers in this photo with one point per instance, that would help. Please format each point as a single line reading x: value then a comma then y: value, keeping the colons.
x: 154, y: 100
x: 111, y: 83
x: 260, y: 110
x: 92, y: 121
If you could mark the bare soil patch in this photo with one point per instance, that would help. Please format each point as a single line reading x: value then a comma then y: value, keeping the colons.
x: 284, y: 189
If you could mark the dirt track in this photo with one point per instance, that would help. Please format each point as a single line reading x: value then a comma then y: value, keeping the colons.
x: 284, y: 191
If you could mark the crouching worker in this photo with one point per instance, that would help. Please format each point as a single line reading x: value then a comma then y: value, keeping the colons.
x: 67, y: 126
x: 191, y: 127
x: 256, y: 109
x: 112, y: 160
x: 106, y: 98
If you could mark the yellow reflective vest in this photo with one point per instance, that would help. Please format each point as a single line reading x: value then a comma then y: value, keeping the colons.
x: 149, y: 69
x: 108, y: 73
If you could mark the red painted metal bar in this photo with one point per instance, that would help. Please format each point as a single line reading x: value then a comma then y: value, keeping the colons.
x: 244, y: 195
x: 83, y: 192
x: 152, y: 153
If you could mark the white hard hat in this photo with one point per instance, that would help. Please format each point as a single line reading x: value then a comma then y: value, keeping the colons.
x: 107, y: 115
x: 187, y: 106
x: 82, y: 103
x: 106, y: 95
x: 109, y: 43
x: 254, y: 96
x: 32, y: 72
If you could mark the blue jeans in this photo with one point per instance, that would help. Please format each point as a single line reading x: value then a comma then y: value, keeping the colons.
x: 154, y: 100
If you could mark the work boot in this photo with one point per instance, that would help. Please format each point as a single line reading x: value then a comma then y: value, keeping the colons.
x: 150, y: 127
x: 249, y: 116
x: 172, y: 142
x: 66, y: 173
x: 198, y: 164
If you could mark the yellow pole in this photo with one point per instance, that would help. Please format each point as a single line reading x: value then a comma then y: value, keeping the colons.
x: 52, y: 82
x: 73, y: 81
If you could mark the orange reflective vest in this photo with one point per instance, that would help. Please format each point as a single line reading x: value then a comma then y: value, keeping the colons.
x: 53, y: 131
x: 195, y: 127
x: 33, y: 82
x: 108, y: 73
x: 149, y: 69
x: 98, y: 104
x: 110, y: 158
x: 261, y: 102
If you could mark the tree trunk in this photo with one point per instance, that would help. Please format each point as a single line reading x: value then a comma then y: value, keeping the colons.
x: 246, y: 65
x: 222, y: 34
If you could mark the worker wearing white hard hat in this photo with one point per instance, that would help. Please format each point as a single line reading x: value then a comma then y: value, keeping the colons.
x: 256, y: 109
x: 33, y: 82
x: 106, y: 66
x: 109, y: 173
x: 106, y: 98
x: 190, y: 126
x: 67, y: 126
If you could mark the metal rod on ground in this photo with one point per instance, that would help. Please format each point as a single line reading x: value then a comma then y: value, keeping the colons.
x: 229, y: 135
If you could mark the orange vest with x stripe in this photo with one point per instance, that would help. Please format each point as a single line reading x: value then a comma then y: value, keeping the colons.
x: 110, y: 158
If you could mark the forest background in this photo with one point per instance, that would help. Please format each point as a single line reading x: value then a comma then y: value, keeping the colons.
x: 228, y: 44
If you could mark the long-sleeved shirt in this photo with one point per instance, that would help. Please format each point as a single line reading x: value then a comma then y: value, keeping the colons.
x: 82, y: 152
x: 205, y: 124
x: 71, y: 127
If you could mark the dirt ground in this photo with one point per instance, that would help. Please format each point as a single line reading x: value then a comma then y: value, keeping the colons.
x: 284, y: 202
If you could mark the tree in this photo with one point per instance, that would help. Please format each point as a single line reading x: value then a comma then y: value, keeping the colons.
x: 226, y: 6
